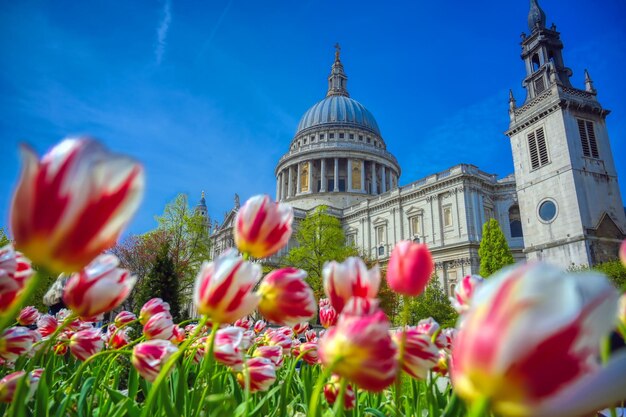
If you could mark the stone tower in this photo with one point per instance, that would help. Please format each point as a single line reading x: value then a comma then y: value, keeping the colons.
x: 570, y: 204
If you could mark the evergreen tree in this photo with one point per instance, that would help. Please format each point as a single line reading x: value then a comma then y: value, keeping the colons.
x: 162, y: 282
x: 494, y: 251
x: 434, y: 303
x: 4, y: 239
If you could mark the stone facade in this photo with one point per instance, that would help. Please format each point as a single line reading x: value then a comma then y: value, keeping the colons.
x: 562, y: 203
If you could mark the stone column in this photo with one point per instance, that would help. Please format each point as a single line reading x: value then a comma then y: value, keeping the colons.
x: 289, y: 182
x: 384, y: 179
x: 310, y: 176
x: 362, y: 175
x: 336, y: 184
x: 374, y: 179
x: 298, y: 180
x: 323, y: 176
x: 349, y: 168
x: 278, y: 187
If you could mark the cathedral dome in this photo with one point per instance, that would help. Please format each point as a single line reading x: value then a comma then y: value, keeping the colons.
x: 338, y: 110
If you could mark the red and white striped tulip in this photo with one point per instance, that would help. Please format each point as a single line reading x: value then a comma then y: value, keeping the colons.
x: 223, y: 289
x: 328, y: 316
x: 227, y: 348
x: 100, y: 287
x: 46, y: 325
x: 410, y: 268
x: 72, y: 204
x: 148, y: 357
x: 310, y: 336
x: 262, y: 374
x: 262, y: 227
x: 178, y: 335
x: 309, y: 353
x: 348, y: 279
x: 332, y: 389
x: 286, y: 298
x: 9, y: 384
x: 445, y: 339
x: 118, y: 339
x: 124, y: 317
x: 419, y: 353
x: 245, y: 323
x: 15, y: 342
x: 273, y: 353
x: 29, y: 315
x: 152, y: 307
x: 259, y: 326
x: 324, y: 302
x: 442, y: 366
x: 15, y: 271
x: 428, y: 327
x: 86, y: 343
x: 159, y: 326
x: 280, y: 339
x: 464, y: 291
x: 361, y: 306
x: 360, y: 349
x: 529, y: 344
x: 300, y: 328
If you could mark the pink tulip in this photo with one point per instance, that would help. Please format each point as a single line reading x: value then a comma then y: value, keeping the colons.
x: 332, y: 389
x: 280, y: 339
x: 148, y: 357
x: 9, y: 384
x: 178, y: 335
x: 259, y: 326
x: 245, y: 323
x: 360, y: 306
x: 118, y: 340
x: 247, y: 339
x: 348, y: 279
x: 47, y: 324
x: 360, y: 349
x: 152, y: 307
x: 464, y: 291
x: 124, y: 317
x: 442, y: 366
x: 529, y: 344
x: 621, y: 312
x: 15, y: 342
x: 100, y: 287
x: 227, y: 347
x: 410, y: 268
x: 262, y: 374
x: 286, y: 298
x: 28, y: 316
x: 73, y: 204
x: 300, y: 328
x: 223, y: 289
x: 328, y: 316
x: 273, y: 353
x: 86, y: 343
x: 310, y: 336
x: 262, y: 227
x: 159, y: 326
x: 622, y: 252
x: 445, y: 339
x: 309, y: 351
x: 15, y: 271
x: 428, y: 327
x: 420, y: 354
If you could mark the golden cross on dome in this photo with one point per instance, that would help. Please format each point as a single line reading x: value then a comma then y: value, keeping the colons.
x: 337, y: 50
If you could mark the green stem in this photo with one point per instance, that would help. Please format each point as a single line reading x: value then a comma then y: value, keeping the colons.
x: 246, y: 393
x: 9, y: 315
x: 405, y: 320
x: 284, y: 390
x: 605, y: 355
x: 315, y: 396
x: 163, y: 374
x: 339, y: 402
x: 207, y: 364
x: 479, y: 407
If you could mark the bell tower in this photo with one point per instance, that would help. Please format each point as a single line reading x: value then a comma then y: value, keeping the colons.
x: 570, y: 204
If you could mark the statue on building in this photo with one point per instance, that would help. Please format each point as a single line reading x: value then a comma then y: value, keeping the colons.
x: 236, y: 200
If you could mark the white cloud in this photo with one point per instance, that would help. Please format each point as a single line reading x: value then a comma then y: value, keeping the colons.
x: 162, y: 30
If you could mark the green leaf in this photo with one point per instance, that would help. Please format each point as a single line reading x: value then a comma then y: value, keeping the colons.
x: 375, y: 412
x: 82, y: 399
x: 41, y: 399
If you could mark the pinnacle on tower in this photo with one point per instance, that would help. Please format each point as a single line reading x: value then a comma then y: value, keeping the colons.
x: 589, y: 83
x: 337, y: 79
x: 536, y: 17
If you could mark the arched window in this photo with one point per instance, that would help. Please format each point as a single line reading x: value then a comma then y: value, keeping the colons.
x: 535, y: 62
x: 515, y: 222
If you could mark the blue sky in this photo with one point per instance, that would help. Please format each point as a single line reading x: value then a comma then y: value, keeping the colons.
x: 208, y: 94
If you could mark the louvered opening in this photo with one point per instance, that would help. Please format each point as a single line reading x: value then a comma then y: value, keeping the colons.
x: 592, y: 140
x: 539, y: 85
x: 583, y: 138
x: 541, y: 145
x: 532, y: 147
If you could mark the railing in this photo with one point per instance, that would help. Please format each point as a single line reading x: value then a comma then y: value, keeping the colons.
x: 338, y: 146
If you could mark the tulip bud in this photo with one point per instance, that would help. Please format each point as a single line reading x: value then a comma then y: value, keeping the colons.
x: 259, y: 326
x: 148, y: 357
x: 286, y: 298
x: 245, y: 323
x: 262, y: 227
x: 159, y: 326
x: 124, y: 317
x: 28, y: 316
x: 328, y: 316
x: 227, y: 347
x: 309, y: 349
x: 464, y: 291
x: 348, y: 279
x: 15, y: 342
x: 9, y: 384
x: 152, y: 307
x: 262, y: 374
x: 420, y: 354
x: 273, y: 353
x: 178, y: 335
x: 15, y: 271
x: 300, y: 328
x: 86, y: 343
x: 100, y: 287
x: 310, y: 336
x: 332, y: 389
x: 223, y: 288
x: 118, y: 340
x: 47, y: 324
x: 410, y: 268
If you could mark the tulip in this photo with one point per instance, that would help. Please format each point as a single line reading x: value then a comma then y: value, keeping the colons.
x: 332, y: 389
x: 622, y: 252
x: 420, y: 354
x: 442, y: 366
x: 86, y: 343
x: 159, y: 326
x: 310, y: 336
x: 118, y: 339
x: 360, y: 306
x: 148, y: 357
x: 245, y: 323
x: 529, y: 344
x: 223, y: 288
x: 262, y: 227
x: 286, y: 298
x: 124, y: 317
x: 100, y: 287
x: 445, y: 339
x: 9, y: 384
x: 197, y: 349
x: 227, y: 347
x: 247, y: 339
x: 410, y: 268
x: 73, y: 204
x: 47, y: 324
x: 348, y: 279
x: 285, y: 330
x: 309, y: 353
x: 360, y: 349
x: 464, y: 291
x: 259, y: 326
x: 178, y: 335
x: 328, y: 316
x: 621, y: 312
x: 28, y: 316
x: 262, y: 374
x: 280, y: 339
x: 300, y: 328
x: 15, y: 342
x: 428, y: 326
x: 152, y: 307
x: 15, y: 271
x: 273, y: 353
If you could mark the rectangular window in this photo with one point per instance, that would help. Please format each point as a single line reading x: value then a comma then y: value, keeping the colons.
x: 361, y: 138
x: 537, y: 148
x: 447, y: 216
x: 380, y: 235
x: 331, y: 136
x: 321, y: 136
x: 588, y: 139
x: 415, y: 226
x: 351, y: 240
x: 341, y: 136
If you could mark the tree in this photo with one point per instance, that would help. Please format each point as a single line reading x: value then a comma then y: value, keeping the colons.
x: 319, y: 239
x: 434, y: 303
x: 162, y: 282
x: 4, y: 239
x: 494, y: 251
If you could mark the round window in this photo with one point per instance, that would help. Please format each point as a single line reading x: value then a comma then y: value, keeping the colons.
x: 547, y: 211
